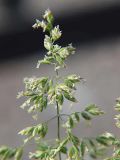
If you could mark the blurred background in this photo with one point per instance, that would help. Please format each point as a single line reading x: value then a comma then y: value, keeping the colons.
x: 92, y: 26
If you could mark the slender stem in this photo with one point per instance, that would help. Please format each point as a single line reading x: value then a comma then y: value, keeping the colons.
x: 66, y: 115
x: 51, y: 119
x: 58, y: 121
x: 60, y: 115
x: 58, y: 127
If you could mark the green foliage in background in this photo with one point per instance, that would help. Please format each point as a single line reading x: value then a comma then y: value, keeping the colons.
x: 43, y: 92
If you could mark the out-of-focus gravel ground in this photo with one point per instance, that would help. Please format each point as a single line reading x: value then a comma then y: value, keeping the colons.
x: 98, y: 63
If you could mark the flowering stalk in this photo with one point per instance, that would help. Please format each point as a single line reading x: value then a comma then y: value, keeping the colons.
x: 44, y: 92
